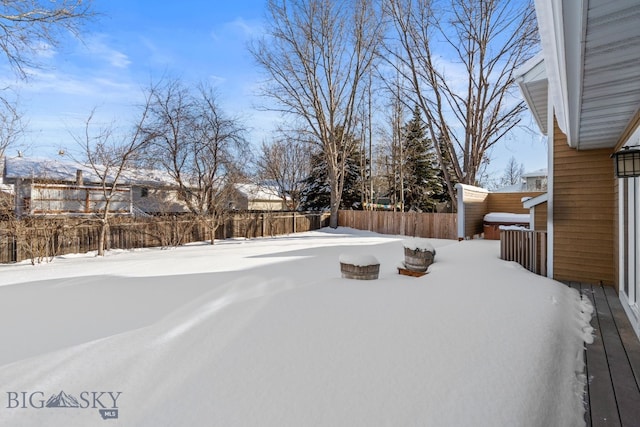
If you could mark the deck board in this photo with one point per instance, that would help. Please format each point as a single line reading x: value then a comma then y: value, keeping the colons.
x: 587, y: 415
x: 612, y: 362
x: 622, y: 375
x: 601, y: 396
x: 628, y: 335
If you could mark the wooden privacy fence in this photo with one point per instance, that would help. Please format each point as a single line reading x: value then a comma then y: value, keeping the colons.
x: 475, y: 202
x: 430, y: 225
x: 526, y: 247
x: 43, y: 238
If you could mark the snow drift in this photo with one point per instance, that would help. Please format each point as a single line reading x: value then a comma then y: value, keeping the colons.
x: 287, y: 342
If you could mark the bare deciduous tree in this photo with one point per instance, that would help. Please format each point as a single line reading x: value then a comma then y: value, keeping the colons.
x: 11, y: 125
x: 29, y: 26
x: 110, y: 156
x: 286, y: 163
x: 317, y: 56
x: 198, y: 145
x: 466, y: 97
x: 513, y: 172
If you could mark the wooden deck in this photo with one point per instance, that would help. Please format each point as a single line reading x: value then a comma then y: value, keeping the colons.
x: 613, y: 362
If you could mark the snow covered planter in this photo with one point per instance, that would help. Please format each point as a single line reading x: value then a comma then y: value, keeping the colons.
x: 360, y: 267
x: 418, y: 254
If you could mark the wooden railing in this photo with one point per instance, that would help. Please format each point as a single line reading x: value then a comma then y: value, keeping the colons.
x: 526, y: 247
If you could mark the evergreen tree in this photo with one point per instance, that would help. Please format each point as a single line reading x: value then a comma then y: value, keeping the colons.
x: 317, y: 193
x: 421, y: 173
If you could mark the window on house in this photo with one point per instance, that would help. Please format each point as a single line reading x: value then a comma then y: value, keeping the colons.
x: 144, y: 192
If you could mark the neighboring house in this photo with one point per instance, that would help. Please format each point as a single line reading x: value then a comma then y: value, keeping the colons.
x: 536, y: 180
x: 253, y: 197
x: 57, y: 187
x: 531, y: 181
x: 584, y: 92
x: 6, y: 195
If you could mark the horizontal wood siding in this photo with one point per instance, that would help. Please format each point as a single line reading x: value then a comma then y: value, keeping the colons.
x: 583, y: 213
x: 509, y: 202
x: 540, y: 217
x: 475, y: 208
x: 428, y: 225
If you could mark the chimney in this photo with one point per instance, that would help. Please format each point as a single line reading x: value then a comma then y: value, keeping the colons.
x: 79, y: 180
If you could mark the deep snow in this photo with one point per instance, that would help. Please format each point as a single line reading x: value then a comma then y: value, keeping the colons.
x: 267, y: 333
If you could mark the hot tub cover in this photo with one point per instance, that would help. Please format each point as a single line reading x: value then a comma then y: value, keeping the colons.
x: 507, y: 218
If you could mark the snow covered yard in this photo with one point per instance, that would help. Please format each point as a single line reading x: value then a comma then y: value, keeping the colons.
x: 266, y: 333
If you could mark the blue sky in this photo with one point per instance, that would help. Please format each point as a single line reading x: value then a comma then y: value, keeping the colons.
x: 136, y: 42
x: 122, y: 51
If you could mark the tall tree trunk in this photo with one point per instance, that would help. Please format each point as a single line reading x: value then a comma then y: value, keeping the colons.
x: 335, y: 204
x: 102, y: 238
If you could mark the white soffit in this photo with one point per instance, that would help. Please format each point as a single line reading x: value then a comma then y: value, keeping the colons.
x: 611, y: 82
x: 532, y: 79
x: 592, y: 52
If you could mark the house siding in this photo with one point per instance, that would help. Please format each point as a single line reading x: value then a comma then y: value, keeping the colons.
x: 540, y: 217
x: 584, y: 213
x: 509, y: 202
x: 475, y: 207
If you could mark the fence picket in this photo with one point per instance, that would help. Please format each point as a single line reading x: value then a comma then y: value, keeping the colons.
x: 417, y: 224
x: 40, y: 239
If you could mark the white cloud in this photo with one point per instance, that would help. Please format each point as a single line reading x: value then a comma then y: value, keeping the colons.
x: 99, y: 47
x: 239, y: 28
x: 248, y: 28
x: 217, y: 80
x: 156, y: 54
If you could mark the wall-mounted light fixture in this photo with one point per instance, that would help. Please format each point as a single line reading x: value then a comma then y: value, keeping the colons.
x: 627, y: 162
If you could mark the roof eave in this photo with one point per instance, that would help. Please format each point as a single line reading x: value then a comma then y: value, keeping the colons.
x: 531, y: 74
x: 562, y: 24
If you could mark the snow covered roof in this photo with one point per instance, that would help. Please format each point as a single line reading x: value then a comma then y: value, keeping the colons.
x: 514, y: 188
x: 259, y: 192
x: 537, y: 173
x: 65, y: 170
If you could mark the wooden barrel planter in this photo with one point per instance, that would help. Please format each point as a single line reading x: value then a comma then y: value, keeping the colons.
x: 418, y: 254
x: 359, y: 267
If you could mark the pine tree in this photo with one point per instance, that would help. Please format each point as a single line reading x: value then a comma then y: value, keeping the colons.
x: 317, y: 194
x: 421, y: 174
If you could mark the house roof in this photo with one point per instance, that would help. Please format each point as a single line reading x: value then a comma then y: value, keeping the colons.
x: 535, y: 174
x: 591, y: 56
x: 532, y: 79
x: 513, y: 188
x: 65, y: 171
x: 259, y: 192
